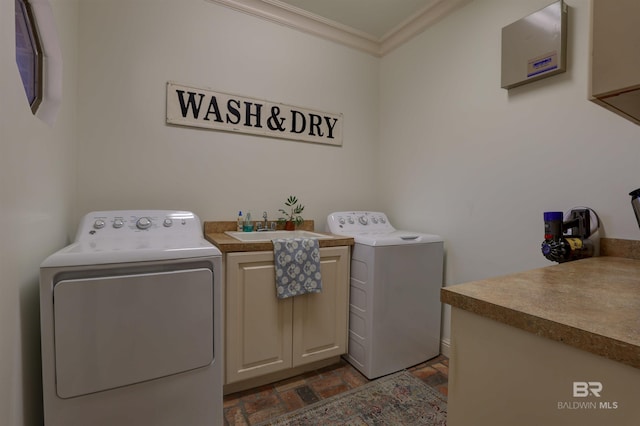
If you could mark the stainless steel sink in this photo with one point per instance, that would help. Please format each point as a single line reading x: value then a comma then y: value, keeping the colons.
x: 254, y: 237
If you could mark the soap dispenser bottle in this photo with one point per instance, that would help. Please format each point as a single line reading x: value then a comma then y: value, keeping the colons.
x: 240, y: 221
x: 248, y: 226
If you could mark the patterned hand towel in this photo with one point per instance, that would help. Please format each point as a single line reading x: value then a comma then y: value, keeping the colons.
x: 297, y: 262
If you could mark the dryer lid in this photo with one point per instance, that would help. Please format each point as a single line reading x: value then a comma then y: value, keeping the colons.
x: 123, y: 236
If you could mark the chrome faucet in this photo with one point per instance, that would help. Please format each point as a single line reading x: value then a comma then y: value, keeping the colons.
x: 262, y: 227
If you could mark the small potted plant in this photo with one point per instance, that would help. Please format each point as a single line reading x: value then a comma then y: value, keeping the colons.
x: 292, y: 213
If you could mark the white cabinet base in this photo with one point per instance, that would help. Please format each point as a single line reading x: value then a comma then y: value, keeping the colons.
x: 277, y: 376
x: 502, y: 375
x: 267, y: 337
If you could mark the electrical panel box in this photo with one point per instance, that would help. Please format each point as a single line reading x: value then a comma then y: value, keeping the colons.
x: 535, y: 46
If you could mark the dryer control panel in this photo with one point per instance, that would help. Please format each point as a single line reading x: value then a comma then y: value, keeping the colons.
x: 120, y: 223
x: 125, y: 236
x: 357, y: 222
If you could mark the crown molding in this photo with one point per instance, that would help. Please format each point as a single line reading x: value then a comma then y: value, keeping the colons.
x: 416, y: 24
x: 296, y: 18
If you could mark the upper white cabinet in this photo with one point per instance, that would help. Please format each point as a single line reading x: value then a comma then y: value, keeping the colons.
x: 615, y: 56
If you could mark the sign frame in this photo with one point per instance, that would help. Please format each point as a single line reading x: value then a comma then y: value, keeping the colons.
x: 208, y: 109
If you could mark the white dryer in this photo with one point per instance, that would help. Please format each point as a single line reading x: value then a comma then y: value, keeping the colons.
x: 131, y: 323
x: 394, y: 308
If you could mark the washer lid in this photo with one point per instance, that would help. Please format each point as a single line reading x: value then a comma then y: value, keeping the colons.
x: 374, y: 229
x: 395, y: 238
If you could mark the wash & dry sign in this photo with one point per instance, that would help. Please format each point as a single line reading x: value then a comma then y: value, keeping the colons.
x: 188, y: 106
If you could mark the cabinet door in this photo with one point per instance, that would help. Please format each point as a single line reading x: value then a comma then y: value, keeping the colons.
x: 258, y: 324
x: 320, y: 320
x: 615, y: 60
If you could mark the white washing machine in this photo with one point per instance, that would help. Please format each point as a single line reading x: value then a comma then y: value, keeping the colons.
x: 394, y: 308
x: 131, y: 323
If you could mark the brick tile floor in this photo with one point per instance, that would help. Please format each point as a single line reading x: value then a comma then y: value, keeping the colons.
x: 256, y: 405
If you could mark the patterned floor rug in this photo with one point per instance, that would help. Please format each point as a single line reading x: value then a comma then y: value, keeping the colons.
x: 397, y: 399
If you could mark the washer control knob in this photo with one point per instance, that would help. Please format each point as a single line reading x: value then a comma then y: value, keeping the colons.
x: 341, y: 220
x: 167, y: 223
x: 351, y: 220
x: 382, y: 219
x: 374, y: 219
x: 98, y: 224
x: 118, y: 223
x: 363, y: 220
x: 143, y: 223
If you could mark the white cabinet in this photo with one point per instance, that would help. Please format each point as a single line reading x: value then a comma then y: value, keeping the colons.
x: 615, y: 56
x: 535, y: 374
x: 264, y: 334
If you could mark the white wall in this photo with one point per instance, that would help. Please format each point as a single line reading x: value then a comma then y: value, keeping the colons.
x: 37, y: 199
x: 458, y: 155
x: 463, y: 158
x: 130, y: 159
